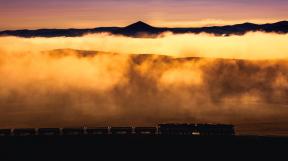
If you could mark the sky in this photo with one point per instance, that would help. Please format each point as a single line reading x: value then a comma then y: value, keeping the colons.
x: 32, y: 14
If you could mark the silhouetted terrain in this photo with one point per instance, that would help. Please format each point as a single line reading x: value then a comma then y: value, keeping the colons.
x: 174, y: 140
x: 141, y: 29
x: 144, y: 147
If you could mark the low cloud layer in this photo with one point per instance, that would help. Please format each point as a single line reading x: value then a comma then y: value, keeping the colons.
x: 44, y: 87
x: 254, y: 45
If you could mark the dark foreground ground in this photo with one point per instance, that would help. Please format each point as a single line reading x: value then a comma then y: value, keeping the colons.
x: 56, y: 148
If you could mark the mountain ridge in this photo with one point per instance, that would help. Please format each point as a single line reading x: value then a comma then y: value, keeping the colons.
x: 142, y: 29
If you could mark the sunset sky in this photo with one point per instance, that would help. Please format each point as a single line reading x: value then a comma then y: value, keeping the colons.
x: 31, y: 14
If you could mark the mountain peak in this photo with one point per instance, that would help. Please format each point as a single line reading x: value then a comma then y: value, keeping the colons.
x: 139, y: 26
x: 140, y: 23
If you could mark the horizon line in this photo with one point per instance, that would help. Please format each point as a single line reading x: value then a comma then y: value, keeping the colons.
x: 80, y: 28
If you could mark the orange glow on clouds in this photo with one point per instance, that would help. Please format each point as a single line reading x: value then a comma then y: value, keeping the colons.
x: 64, y: 88
x: 253, y: 45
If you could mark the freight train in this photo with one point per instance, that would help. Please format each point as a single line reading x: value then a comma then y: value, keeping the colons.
x: 161, y: 129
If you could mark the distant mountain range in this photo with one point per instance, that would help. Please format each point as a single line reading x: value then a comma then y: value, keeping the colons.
x: 141, y: 29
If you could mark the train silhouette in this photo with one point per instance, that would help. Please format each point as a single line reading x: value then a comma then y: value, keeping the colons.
x: 161, y: 129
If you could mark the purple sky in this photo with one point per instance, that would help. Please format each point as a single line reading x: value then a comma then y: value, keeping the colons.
x: 16, y: 14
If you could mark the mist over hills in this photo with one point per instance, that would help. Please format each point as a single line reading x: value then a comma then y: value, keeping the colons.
x: 226, y: 88
x: 141, y: 29
x: 74, y: 87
